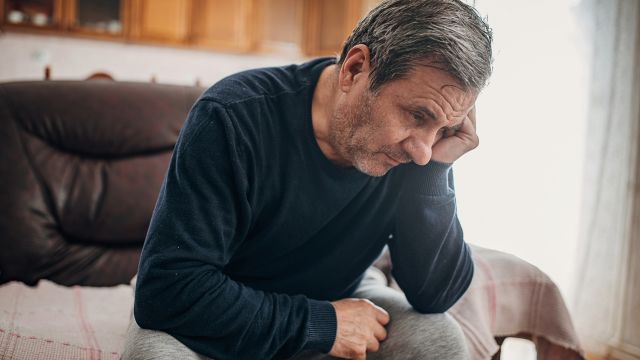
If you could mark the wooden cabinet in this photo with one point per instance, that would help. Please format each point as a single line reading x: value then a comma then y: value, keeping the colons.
x: 161, y: 21
x: 299, y: 27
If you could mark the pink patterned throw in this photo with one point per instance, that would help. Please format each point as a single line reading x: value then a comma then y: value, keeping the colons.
x: 507, y: 297
x: 50, y: 321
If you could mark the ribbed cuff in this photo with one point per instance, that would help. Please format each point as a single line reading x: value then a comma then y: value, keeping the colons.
x: 431, y: 179
x: 322, y: 326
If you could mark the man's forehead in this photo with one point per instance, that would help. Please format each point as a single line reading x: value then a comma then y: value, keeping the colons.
x: 428, y: 82
x: 460, y: 99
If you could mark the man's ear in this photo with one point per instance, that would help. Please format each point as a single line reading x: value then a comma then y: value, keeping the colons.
x: 355, y: 67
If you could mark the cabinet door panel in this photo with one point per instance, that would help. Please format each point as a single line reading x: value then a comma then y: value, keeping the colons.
x: 36, y: 14
x: 227, y: 24
x: 280, y: 26
x: 328, y: 23
x: 160, y: 20
x: 101, y: 18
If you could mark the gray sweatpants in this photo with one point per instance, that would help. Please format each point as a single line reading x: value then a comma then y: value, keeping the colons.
x: 411, y: 335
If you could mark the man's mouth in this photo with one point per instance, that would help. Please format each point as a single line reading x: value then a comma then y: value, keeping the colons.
x: 393, y: 161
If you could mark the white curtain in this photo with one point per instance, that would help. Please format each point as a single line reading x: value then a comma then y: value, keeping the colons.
x: 606, y: 308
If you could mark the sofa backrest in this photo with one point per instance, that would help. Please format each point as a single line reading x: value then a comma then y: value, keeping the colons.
x: 81, y: 164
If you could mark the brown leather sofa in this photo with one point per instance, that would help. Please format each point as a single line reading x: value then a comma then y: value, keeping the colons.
x: 81, y: 164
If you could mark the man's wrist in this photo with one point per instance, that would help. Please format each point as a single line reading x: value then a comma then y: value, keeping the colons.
x: 431, y: 179
x: 323, y: 326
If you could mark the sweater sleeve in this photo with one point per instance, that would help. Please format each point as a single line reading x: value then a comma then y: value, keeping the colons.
x: 431, y: 262
x: 201, y: 217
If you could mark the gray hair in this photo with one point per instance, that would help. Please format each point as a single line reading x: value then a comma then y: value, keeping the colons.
x: 402, y: 34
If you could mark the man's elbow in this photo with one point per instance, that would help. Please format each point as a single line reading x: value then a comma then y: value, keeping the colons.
x: 442, y: 298
x: 430, y: 307
x: 145, y: 314
x: 151, y: 308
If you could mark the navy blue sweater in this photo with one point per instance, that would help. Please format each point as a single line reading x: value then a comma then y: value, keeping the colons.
x: 255, y: 230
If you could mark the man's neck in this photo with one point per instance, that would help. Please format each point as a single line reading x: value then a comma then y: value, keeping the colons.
x: 322, y: 107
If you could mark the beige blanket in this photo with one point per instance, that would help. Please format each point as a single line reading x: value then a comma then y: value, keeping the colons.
x: 507, y: 297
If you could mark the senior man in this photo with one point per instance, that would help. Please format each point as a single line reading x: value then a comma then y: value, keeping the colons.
x: 287, y: 183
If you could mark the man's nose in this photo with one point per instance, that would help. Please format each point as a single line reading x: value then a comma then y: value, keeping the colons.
x: 418, y: 147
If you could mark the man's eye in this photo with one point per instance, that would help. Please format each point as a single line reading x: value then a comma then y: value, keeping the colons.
x: 418, y: 117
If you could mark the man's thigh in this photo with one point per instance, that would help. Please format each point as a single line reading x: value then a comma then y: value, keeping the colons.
x: 411, y: 335
x: 143, y: 344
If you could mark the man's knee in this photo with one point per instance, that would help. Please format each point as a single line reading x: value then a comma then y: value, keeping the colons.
x: 425, y: 336
x: 143, y: 344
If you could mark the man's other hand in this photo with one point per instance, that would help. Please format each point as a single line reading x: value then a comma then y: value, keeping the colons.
x: 360, y: 328
x: 451, y: 145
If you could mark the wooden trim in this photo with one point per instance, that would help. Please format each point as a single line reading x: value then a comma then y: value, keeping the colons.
x: 86, y: 32
x: 248, y: 26
x: 134, y: 26
x: 69, y: 13
x: 191, y: 38
x: 185, y: 19
x: 127, y: 19
x: 310, y: 27
x: 354, y: 11
x: 58, y: 18
x: 47, y: 29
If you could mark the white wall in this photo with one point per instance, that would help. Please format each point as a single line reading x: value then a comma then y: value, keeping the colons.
x: 24, y: 56
x: 520, y: 191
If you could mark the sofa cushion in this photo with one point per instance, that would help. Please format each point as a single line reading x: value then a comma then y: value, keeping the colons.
x: 85, y: 161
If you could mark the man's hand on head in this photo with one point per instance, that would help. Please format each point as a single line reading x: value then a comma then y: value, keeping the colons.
x: 360, y: 328
x: 452, y: 144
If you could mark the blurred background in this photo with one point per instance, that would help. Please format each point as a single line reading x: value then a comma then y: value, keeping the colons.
x: 554, y: 180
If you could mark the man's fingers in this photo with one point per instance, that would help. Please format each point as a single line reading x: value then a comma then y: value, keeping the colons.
x: 468, y: 126
x: 373, y: 345
x: 379, y: 332
x: 472, y: 116
x: 360, y: 354
x: 381, y: 314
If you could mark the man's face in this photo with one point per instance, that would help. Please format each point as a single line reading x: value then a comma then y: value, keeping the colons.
x: 400, y: 123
